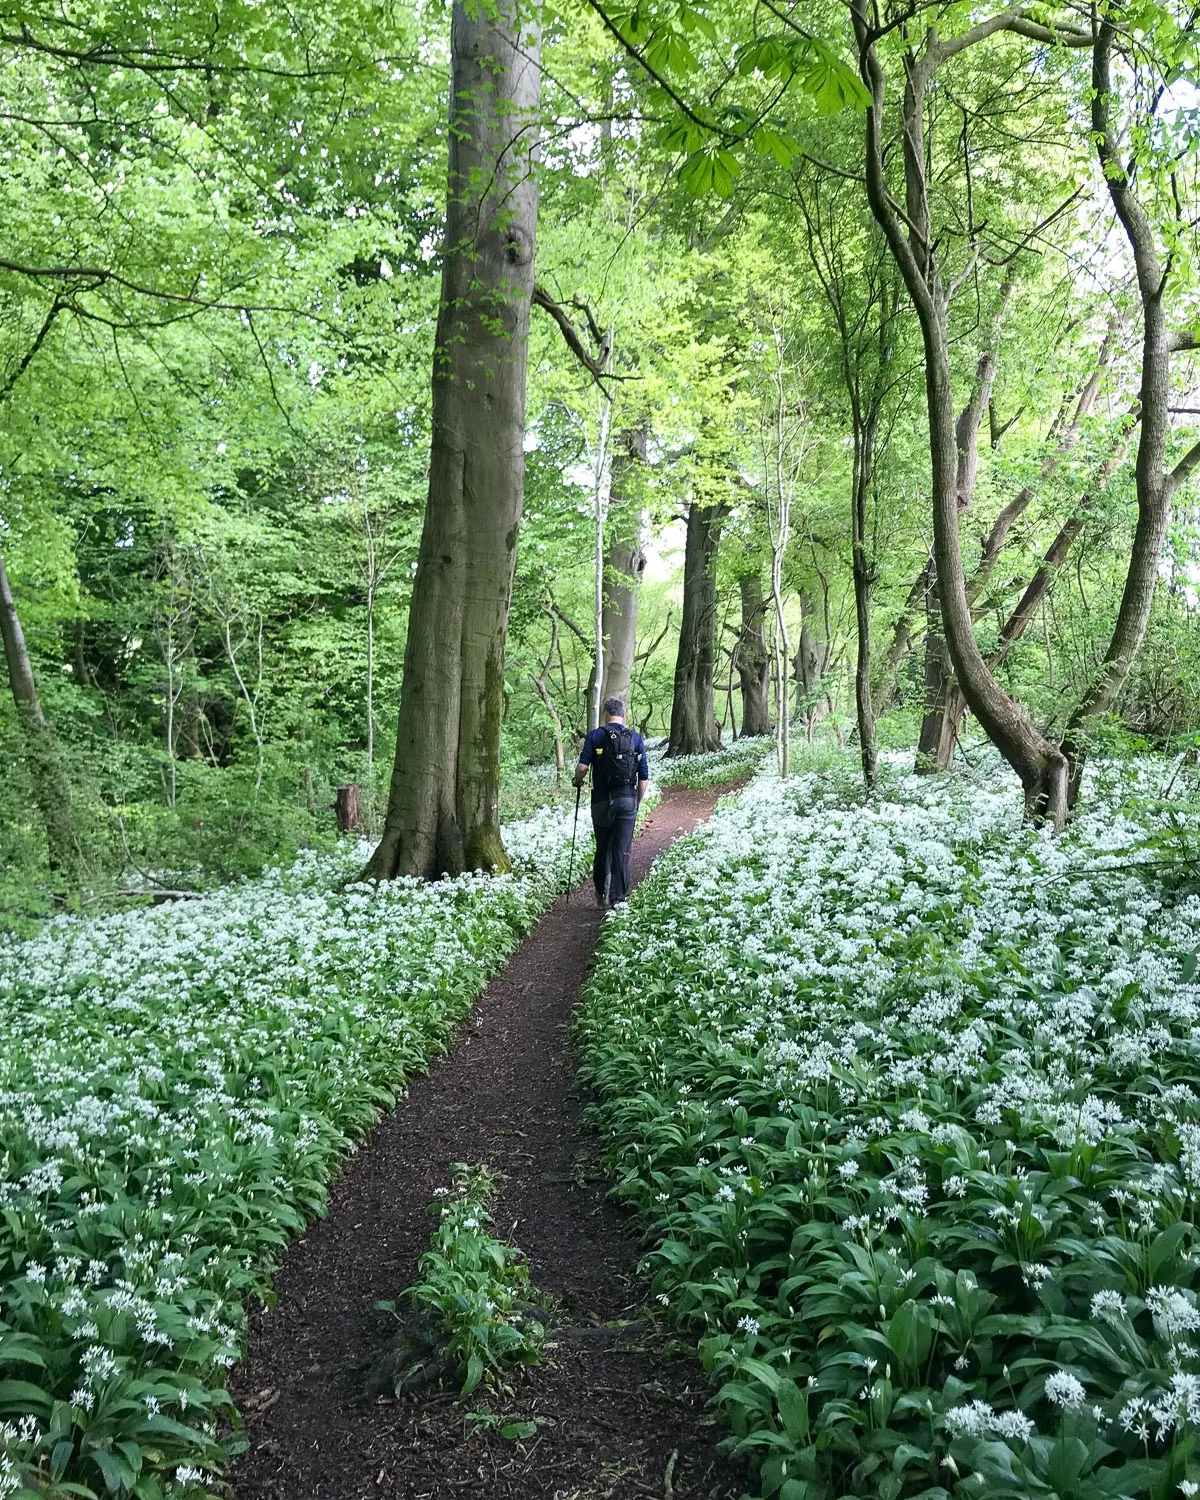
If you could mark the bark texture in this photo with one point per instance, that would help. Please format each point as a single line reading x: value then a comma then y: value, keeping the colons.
x: 442, y: 811
x: 624, y: 564
x: 50, y: 789
x: 752, y: 658
x: 694, y: 727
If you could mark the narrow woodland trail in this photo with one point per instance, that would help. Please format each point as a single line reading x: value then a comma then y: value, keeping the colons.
x: 622, y: 1415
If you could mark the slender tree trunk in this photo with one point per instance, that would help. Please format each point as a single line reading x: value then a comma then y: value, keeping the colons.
x: 370, y: 684
x: 944, y: 704
x: 623, y: 567
x: 902, y: 639
x: 752, y: 660
x: 1035, y: 592
x: 443, y: 803
x: 600, y: 472
x: 50, y: 788
x: 864, y: 462
x: 935, y: 747
x: 1156, y: 485
x: 1040, y: 765
x: 694, y: 728
x: 542, y: 683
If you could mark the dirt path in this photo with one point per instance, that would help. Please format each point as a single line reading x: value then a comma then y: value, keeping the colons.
x: 620, y: 1414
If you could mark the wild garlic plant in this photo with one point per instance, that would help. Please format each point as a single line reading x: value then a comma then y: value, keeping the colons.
x: 909, y: 1094
x: 176, y: 1088
x: 476, y: 1286
x: 739, y: 759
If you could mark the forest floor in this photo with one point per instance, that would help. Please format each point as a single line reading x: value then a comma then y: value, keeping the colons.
x: 621, y: 1410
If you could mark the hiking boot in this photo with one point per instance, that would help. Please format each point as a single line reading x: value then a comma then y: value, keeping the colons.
x: 601, y: 900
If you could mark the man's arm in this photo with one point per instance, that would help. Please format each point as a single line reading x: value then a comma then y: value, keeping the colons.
x: 643, y: 769
x: 642, y: 785
x: 586, y: 756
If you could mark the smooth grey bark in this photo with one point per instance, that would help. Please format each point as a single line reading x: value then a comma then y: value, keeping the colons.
x: 624, y: 564
x: 443, y: 802
x: 694, y: 727
x: 50, y: 788
x: 751, y: 658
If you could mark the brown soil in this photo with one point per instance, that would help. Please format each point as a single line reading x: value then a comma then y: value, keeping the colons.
x: 620, y: 1411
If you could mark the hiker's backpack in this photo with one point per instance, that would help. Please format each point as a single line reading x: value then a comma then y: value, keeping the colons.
x: 615, y: 763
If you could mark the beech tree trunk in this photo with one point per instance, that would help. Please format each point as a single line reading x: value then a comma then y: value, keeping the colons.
x: 752, y: 659
x: 50, y: 788
x: 694, y: 727
x: 443, y: 813
x: 624, y: 565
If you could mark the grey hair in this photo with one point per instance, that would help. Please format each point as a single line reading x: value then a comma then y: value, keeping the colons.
x: 614, y: 707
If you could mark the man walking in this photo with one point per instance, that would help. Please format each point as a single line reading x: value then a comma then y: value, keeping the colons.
x: 616, y: 757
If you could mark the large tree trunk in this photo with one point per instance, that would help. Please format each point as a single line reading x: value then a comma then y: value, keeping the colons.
x: 752, y: 659
x: 623, y: 567
x: 694, y: 727
x: 50, y: 788
x: 443, y: 810
x: 1039, y: 764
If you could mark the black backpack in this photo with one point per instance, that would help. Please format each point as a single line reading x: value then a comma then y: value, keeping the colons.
x: 615, y: 764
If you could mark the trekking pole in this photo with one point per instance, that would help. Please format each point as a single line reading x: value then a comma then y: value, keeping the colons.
x: 574, y: 831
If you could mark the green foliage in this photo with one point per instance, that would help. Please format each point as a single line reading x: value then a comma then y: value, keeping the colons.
x: 905, y: 1097
x: 477, y: 1286
x: 735, y: 763
x: 180, y: 1087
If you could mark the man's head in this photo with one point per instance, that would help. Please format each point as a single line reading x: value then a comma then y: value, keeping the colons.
x: 614, y: 708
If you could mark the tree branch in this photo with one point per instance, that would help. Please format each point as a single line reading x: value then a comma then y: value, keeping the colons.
x: 31, y: 353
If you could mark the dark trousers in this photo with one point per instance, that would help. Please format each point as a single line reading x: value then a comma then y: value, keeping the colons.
x: 613, y: 819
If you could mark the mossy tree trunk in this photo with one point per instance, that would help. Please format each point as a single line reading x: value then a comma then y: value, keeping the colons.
x: 443, y: 813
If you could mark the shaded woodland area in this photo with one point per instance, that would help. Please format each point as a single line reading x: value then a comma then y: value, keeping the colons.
x: 846, y: 386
